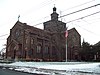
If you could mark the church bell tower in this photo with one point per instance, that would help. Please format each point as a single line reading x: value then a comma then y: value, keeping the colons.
x: 54, y: 25
x: 54, y: 15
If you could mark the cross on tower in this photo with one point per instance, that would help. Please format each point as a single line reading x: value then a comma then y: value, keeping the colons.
x: 18, y: 17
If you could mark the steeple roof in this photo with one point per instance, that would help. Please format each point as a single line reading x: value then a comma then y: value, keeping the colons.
x: 54, y: 9
x: 54, y: 15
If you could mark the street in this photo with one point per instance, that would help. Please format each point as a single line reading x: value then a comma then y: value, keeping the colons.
x: 10, y: 72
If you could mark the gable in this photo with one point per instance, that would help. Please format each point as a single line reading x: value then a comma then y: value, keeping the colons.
x: 15, y: 32
x: 74, y: 31
x: 74, y: 38
x: 18, y: 25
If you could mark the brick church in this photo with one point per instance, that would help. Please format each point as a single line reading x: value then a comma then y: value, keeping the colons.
x: 29, y: 43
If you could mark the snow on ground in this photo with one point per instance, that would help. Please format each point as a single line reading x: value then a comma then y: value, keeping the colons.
x: 56, y: 68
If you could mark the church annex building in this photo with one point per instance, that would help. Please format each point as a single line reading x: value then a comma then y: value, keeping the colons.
x: 29, y: 43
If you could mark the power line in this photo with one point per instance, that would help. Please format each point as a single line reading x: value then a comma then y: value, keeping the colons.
x: 83, y: 17
x: 74, y: 19
x: 80, y: 10
x: 87, y: 30
x: 3, y: 39
x: 79, y: 5
x: 3, y: 35
x: 49, y: 2
x: 76, y: 12
x: 85, y: 21
x: 70, y: 14
x: 38, y: 24
x: 39, y: 20
x: 39, y: 6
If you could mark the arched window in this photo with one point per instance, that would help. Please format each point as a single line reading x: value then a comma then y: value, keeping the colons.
x: 46, y: 51
x: 32, y: 41
x: 39, y: 49
x: 26, y: 40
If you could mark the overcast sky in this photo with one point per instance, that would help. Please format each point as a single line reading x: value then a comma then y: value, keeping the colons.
x: 34, y: 12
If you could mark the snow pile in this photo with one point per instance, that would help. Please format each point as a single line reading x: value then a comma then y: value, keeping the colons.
x: 56, y: 68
